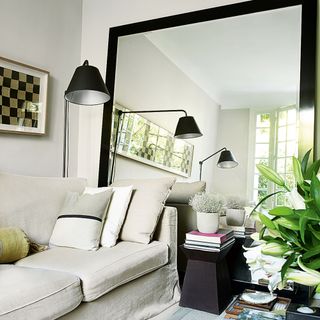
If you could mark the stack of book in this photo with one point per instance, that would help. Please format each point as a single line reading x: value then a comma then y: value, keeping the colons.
x: 239, y: 231
x: 213, y: 242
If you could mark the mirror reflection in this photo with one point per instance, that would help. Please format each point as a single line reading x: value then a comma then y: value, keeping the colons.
x: 239, y: 77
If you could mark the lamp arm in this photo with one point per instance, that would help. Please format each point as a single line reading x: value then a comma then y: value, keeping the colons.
x: 202, y: 161
x: 153, y: 111
x: 224, y: 148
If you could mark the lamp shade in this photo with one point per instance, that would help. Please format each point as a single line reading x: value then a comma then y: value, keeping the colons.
x: 187, y: 128
x: 227, y: 160
x: 87, y: 86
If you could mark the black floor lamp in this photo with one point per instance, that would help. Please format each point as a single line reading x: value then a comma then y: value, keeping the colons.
x: 86, y: 88
x: 186, y: 128
x: 226, y: 160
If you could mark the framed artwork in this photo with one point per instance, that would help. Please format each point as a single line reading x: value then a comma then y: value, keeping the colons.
x: 23, y: 98
x: 145, y: 141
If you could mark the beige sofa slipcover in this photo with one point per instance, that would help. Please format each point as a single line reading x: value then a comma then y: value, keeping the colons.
x: 128, y: 281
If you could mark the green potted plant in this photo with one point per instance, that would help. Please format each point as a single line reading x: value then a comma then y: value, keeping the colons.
x: 235, y: 212
x: 208, y: 207
x: 290, y: 235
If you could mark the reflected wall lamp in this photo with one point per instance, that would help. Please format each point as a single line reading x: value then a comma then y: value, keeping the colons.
x: 226, y: 160
x: 86, y: 88
x: 186, y: 128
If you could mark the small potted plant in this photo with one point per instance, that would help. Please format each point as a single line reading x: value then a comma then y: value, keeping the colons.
x: 208, y: 207
x: 235, y: 212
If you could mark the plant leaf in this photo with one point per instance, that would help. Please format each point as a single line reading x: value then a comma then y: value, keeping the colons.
x: 313, y: 169
x: 261, y: 233
x: 267, y: 222
x: 302, y: 226
x: 281, y: 211
x: 314, y: 263
x: 264, y: 199
x: 315, y: 190
x: 311, y: 253
x: 287, y: 264
x: 304, y: 162
x: 270, y: 174
x: 290, y: 236
x: 297, y: 171
x: 314, y: 232
x: 289, y: 223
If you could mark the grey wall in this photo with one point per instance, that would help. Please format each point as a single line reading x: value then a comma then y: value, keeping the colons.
x: 233, y: 133
x: 47, y: 35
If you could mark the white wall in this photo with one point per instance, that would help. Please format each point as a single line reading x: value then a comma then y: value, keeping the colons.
x: 47, y: 35
x: 233, y: 133
x: 98, y: 17
x: 147, y: 79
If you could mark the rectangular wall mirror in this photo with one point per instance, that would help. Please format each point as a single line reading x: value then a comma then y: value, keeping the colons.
x: 247, y: 73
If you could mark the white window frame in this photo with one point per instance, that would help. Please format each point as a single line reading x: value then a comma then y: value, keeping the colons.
x: 273, y: 151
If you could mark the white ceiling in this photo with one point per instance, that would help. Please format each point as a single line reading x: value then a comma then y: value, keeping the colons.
x: 240, y: 62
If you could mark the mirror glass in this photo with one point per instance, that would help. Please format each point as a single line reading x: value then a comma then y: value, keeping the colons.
x: 238, y: 76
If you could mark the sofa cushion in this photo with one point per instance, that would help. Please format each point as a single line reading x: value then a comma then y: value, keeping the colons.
x: 116, y: 212
x: 183, y: 191
x: 81, y: 219
x: 105, y: 269
x: 33, y: 203
x: 28, y: 293
x: 145, y: 208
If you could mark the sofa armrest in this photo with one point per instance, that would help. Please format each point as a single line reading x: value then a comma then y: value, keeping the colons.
x: 166, y: 231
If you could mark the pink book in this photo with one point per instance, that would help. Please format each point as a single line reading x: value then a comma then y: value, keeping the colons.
x: 220, y: 236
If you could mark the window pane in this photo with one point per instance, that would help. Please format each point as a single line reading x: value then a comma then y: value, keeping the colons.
x: 281, y: 164
x: 262, y: 135
x: 291, y: 149
x: 263, y: 120
x: 262, y: 150
x: 263, y: 183
x: 282, y: 134
x: 282, y: 149
x: 292, y: 116
x: 289, y: 165
x: 291, y: 134
x: 282, y: 118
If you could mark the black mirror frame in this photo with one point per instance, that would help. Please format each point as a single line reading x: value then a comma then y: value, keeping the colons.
x: 307, y: 63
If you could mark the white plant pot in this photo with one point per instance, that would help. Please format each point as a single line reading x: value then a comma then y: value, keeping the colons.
x: 235, y: 217
x: 208, y: 222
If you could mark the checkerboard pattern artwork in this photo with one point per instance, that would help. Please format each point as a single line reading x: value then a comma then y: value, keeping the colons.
x: 19, y: 98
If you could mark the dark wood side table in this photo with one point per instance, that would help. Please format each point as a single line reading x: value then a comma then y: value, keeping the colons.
x: 206, y: 285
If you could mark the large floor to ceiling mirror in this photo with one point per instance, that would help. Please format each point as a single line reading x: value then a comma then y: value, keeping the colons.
x: 243, y: 71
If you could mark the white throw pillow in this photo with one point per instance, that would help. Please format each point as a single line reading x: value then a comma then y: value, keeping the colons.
x: 80, y: 222
x: 116, y: 212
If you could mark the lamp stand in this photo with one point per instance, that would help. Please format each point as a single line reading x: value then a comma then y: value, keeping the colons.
x: 65, y: 168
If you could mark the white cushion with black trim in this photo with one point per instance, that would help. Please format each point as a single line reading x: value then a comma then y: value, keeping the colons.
x: 80, y: 222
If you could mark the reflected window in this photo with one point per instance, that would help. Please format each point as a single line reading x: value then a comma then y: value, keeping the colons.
x: 276, y: 141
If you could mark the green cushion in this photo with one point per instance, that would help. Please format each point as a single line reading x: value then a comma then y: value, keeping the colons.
x: 14, y: 245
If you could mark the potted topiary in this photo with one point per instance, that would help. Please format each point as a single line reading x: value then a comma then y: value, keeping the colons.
x: 235, y: 212
x: 208, y: 207
x: 290, y: 236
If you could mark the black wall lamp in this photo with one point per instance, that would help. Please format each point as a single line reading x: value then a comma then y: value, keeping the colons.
x: 226, y: 160
x: 186, y: 128
x: 86, y: 88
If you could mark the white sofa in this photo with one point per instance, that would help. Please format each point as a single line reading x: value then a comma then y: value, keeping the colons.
x: 128, y: 281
